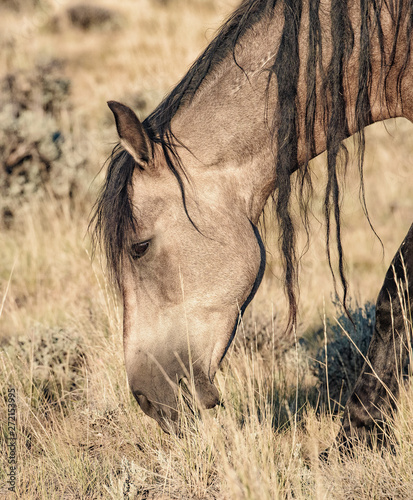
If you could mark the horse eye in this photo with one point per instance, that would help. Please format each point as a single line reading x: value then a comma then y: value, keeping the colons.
x: 138, y: 250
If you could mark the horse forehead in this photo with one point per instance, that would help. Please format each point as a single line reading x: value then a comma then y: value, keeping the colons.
x: 153, y: 188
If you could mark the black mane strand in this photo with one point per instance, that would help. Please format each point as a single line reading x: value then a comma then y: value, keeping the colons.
x: 113, y: 221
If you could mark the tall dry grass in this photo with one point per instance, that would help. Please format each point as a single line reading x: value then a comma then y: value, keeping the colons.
x: 80, y: 433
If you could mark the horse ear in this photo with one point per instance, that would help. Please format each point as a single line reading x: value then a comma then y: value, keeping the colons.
x: 131, y: 133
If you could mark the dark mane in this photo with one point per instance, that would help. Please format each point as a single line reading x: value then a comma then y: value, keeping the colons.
x: 113, y: 217
x: 113, y: 221
x: 246, y: 16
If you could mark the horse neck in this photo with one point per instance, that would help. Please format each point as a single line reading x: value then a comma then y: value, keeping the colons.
x: 226, y: 126
x: 230, y: 125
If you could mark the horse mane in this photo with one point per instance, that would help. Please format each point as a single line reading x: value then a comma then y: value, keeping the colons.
x: 243, y: 18
x: 113, y: 216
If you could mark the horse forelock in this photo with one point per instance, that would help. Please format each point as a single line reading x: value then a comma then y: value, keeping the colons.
x: 113, y: 223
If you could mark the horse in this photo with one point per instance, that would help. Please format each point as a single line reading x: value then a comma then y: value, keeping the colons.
x: 177, y: 216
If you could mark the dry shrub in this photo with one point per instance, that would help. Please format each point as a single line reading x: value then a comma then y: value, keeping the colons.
x: 21, y: 5
x: 36, y: 144
x: 263, y: 334
x: 55, y: 360
x: 87, y: 16
x: 173, y: 4
x: 165, y: 3
x: 338, y: 365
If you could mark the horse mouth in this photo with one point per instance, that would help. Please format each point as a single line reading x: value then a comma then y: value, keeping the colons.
x: 167, y: 417
x: 191, y: 396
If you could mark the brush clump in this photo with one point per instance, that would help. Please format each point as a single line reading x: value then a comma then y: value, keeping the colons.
x: 56, y: 360
x: 338, y: 365
x: 23, y: 5
x: 86, y: 17
x: 38, y: 156
x: 261, y: 333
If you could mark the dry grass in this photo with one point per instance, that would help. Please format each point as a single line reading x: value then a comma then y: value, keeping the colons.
x: 80, y: 434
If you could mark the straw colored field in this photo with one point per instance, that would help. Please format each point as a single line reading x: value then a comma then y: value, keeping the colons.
x: 80, y: 434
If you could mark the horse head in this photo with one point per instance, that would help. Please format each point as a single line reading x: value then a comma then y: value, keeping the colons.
x: 187, y: 260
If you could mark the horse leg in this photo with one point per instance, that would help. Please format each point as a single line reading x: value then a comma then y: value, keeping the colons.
x: 377, y: 387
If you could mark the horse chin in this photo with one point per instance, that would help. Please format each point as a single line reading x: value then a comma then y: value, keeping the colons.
x: 207, y: 393
x: 199, y: 393
x: 166, y: 416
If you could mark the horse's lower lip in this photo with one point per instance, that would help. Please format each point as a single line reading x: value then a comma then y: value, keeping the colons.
x: 168, y: 426
x: 167, y: 423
